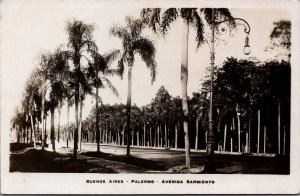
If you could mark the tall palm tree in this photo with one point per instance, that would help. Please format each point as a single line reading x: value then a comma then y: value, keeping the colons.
x: 85, y: 88
x: 18, y: 122
x: 32, y: 101
x: 57, y: 71
x: 68, y: 96
x: 190, y: 17
x: 70, y: 102
x: 133, y: 42
x: 62, y: 74
x: 44, y: 75
x: 98, y: 70
x: 80, y: 42
x: 199, y: 104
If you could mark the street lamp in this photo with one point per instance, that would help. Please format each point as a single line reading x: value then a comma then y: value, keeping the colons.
x: 247, y: 49
x: 217, y: 30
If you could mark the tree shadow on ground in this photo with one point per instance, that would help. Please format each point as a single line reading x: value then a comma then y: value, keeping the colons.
x: 33, y: 160
x: 15, y: 147
x: 139, y: 162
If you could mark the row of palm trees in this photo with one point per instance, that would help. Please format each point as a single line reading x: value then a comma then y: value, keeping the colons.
x: 61, y: 77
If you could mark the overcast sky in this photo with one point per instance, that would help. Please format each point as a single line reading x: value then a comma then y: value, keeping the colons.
x: 31, y: 28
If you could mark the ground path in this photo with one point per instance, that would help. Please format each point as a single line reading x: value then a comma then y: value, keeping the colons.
x: 112, y: 159
x: 165, y: 159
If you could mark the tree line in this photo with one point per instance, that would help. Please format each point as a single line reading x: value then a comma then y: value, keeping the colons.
x: 252, y: 107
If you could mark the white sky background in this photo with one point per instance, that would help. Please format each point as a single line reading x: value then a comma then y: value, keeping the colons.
x: 32, y: 27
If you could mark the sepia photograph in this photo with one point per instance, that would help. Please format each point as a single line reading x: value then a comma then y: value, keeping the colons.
x: 116, y: 97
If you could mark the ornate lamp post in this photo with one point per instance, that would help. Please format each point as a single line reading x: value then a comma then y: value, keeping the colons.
x: 216, y: 32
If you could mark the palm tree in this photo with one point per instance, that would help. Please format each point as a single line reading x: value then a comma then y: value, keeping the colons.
x: 18, y: 122
x: 134, y: 43
x: 57, y: 71
x: 31, y: 101
x: 61, y: 75
x: 84, y: 89
x: 70, y: 102
x: 43, y: 74
x: 199, y: 104
x: 98, y: 70
x: 69, y: 94
x: 80, y: 42
x: 190, y: 17
x: 162, y: 105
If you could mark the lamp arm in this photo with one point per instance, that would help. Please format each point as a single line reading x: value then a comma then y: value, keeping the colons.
x: 247, y: 28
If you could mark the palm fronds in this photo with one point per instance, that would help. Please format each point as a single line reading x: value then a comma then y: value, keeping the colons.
x: 146, y: 49
x: 110, y: 86
x: 168, y: 17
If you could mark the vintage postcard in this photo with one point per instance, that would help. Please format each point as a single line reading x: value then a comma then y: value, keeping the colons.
x: 150, y: 97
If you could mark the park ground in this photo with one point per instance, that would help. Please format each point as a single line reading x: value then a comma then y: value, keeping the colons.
x: 112, y: 159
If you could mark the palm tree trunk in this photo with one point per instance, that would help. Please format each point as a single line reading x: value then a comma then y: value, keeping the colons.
x: 123, y: 135
x: 239, y: 133
x: 45, y: 132
x: 97, y: 119
x: 27, y: 136
x: 30, y: 139
x: 284, y: 139
x: 144, y: 135
x: 166, y: 137
x: 159, y: 136
x: 80, y: 123
x: 138, y: 137
x: 68, y: 125
x: 52, y: 130
x: 129, y: 108
x: 265, y: 138
x: 258, y: 130
x: 23, y: 135
x: 219, y: 133
x: 38, y: 130
x: 110, y: 138
x: 106, y: 135
x: 225, y: 136
x: 25, y: 130
x: 176, y: 136
x: 197, y: 134
x: 151, y: 136
x: 278, y: 122
x: 231, y: 139
x: 18, y: 134
x: 119, y: 138
x: 43, y: 122
x: 147, y: 139
x: 155, y: 132
x: 249, y: 143
x: 184, y: 81
x: 58, y: 128
x: 76, y: 121
x: 32, y: 130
